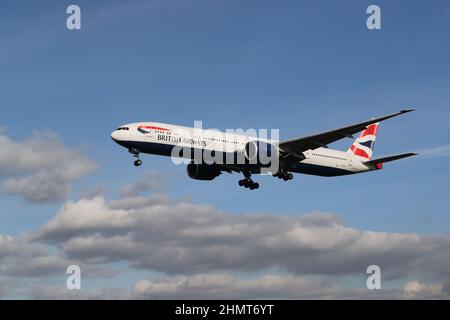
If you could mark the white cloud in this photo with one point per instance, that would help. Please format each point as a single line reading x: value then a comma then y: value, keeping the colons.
x: 184, y: 238
x: 138, y: 202
x: 46, y: 292
x: 41, y: 168
x: 149, y: 181
x: 96, y: 191
x: 197, y: 251
x: 268, y: 286
x: 418, y: 290
x: 227, y: 286
x: 18, y: 257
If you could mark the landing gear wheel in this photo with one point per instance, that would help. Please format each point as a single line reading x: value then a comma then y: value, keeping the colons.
x: 284, y: 175
x: 135, y: 153
x: 247, y: 182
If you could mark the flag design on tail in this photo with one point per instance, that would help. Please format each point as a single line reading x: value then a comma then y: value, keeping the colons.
x: 363, y: 146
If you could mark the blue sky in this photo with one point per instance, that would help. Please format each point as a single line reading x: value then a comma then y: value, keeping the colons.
x: 299, y: 66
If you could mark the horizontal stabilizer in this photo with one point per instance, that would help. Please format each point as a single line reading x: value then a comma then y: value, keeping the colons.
x: 322, y: 139
x: 391, y: 158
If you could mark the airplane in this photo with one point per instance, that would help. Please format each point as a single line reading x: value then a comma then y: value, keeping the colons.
x: 307, y: 155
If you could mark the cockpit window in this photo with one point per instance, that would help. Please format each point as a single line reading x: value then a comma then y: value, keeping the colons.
x: 123, y: 128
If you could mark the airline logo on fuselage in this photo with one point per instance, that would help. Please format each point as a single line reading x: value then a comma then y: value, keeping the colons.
x: 145, y: 129
x: 179, y: 140
x: 168, y: 137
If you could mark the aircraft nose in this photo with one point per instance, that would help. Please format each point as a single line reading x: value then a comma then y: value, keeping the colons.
x: 115, y: 136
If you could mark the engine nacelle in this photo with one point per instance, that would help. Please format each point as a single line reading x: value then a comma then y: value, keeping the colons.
x: 202, y: 171
x: 260, y: 152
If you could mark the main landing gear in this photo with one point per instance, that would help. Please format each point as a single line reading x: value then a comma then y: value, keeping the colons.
x: 247, y: 182
x: 282, y: 174
x: 135, y: 154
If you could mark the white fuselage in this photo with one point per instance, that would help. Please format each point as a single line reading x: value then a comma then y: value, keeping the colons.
x: 161, y: 138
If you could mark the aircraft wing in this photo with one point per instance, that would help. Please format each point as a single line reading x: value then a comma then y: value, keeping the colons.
x: 298, y: 145
x: 391, y: 158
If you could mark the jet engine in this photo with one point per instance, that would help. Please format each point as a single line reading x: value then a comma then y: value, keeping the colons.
x: 202, y: 171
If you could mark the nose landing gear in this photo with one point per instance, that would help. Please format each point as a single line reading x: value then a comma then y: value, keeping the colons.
x: 135, y: 154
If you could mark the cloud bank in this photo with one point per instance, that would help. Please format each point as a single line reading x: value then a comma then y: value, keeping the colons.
x: 186, y: 238
x: 41, y: 168
x: 198, y: 251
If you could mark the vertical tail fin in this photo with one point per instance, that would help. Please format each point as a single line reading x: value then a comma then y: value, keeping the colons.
x: 363, y: 146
